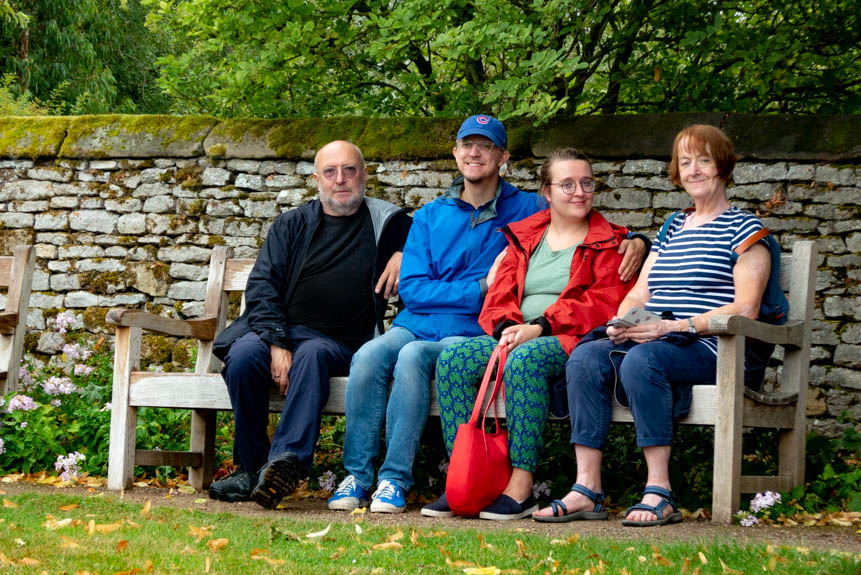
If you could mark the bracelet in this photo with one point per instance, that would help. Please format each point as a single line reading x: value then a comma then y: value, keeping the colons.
x: 691, y: 327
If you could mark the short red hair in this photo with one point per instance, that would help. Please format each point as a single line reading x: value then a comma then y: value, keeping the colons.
x: 704, y: 139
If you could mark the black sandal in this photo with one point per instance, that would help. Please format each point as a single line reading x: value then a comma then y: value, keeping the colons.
x: 556, y: 505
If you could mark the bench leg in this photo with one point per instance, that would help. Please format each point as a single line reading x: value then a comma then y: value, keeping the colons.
x: 202, y: 441
x: 726, y: 488
x: 121, y: 449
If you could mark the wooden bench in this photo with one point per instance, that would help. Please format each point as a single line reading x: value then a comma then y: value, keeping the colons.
x: 727, y: 406
x: 16, y: 274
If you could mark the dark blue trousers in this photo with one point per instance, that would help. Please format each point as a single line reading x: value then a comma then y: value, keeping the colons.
x: 249, y: 380
x: 655, y: 378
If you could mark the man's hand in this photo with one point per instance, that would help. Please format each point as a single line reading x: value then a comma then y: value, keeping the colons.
x: 282, y: 359
x: 514, y: 335
x: 634, y: 251
x: 389, y: 279
x: 491, y: 274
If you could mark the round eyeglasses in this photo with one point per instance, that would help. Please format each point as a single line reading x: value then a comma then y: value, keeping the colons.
x: 570, y: 186
x: 349, y: 172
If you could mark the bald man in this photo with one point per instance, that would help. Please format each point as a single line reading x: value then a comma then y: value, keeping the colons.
x: 317, y: 292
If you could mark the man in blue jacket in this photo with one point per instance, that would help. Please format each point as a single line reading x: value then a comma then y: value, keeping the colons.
x: 316, y: 293
x: 450, y: 249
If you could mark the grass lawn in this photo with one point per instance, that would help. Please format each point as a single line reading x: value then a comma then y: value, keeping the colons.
x: 60, y: 533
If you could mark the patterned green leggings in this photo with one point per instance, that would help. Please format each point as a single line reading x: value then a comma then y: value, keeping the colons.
x: 529, y: 371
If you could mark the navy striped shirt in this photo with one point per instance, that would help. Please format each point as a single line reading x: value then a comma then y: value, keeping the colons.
x: 693, y: 272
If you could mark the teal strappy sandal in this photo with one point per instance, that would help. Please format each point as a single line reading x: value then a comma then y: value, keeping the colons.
x: 560, y: 511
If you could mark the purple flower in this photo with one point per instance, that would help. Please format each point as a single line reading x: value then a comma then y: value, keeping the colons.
x: 81, y: 369
x: 64, y: 320
x: 56, y: 402
x: 72, y: 351
x: 542, y: 488
x: 59, y: 386
x: 327, y: 481
x: 69, y: 465
x: 24, y: 424
x: 22, y: 403
x: 762, y: 501
x: 749, y: 520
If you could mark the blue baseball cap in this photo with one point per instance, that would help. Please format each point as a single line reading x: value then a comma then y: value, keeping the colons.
x: 487, y: 126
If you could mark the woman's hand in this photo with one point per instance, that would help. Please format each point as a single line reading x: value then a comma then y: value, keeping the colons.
x: 491, y: 274
x: 514, y: 335
x: 652, y: 330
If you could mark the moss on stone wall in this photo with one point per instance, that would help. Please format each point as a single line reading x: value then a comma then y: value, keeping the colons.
x: 32, y: 138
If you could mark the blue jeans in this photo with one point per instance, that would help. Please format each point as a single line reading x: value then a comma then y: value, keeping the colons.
x: 398, y: 355
x: 651, y: 374
x: 248, y: 375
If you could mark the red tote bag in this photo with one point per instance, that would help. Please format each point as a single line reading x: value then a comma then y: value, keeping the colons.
x: 479, y: 468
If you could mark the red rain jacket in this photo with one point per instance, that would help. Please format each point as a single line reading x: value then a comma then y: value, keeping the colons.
x: 593, y: 293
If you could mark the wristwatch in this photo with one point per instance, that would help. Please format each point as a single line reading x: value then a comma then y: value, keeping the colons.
x: 691, y: 327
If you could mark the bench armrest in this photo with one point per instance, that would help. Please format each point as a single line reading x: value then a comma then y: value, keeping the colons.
x: 790, y: 333
x: 201, y: 328
x: 8, y: 322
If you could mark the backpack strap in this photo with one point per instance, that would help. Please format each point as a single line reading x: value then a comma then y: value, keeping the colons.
x: 662, y: 233
x: 751, y: 241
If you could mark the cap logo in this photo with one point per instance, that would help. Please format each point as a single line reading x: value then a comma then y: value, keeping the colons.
x: 482, y: 120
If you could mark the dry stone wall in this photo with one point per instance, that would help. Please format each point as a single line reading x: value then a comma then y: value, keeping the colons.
x: 124, y: 213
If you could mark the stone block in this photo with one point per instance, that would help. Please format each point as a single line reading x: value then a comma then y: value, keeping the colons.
x: 281, y: 181
x: 159, y: 205
x: 221, y: 193
x: 790, y: 224
x: 417, y: 197
x: 757, y: 192
x: 842, y: 307
x: 116, y: 252
x: 15, y: 220
x: 216, y: 177
x: 222, y: 209
x: 41, y: 280
x: 852, y: 333
x: 644, y: 167
x: 845, y: 261
x: 131, y: 224
x: 623, y: 199
x: 825, y: 333
x: 288, y: 168
x: 29, y: 206
x: 636, y: 221
x: 617, y: 181
x: 748, y: 173
x: 242, y: 227
x: 92, y: 203
x: 830, y: 212
x: 124, y: 205
x: 94, y: 176
x: 61, y: 202
x: 132, y: 136
x: 148, y: 277
x: 155, y: 175
x: 187, y: 290
x: 45, y: 252
x: 15, y: 164
x: 212, y: 226
x: 36, y: 320
x: 304, y: 168
x: 93, y: 221
x: 260, y: 209
x: 142, y: 253
x: 836, y: 175
x: 853, y: 242
x: 127, y: 180
x: 51, y: 221
x: 51, y: 343
x: 671, y: 200
x: 26, y: 190
x: 250, y: 166
x: 184, y: 254
x: 77, y: 252
x: 192, y: 309
x: 104, y: 165
x: 164, y: 163
x: 65, y: 282
x: 188, y: 272
x: 803, y: 172
x: 152, y: 190
x: 50, y: 173
x: 249, y: 182
x: 59, y: 266
x: 848, y: 356
x: 100, y: 265
x: 163, y: 224
x: 123, y: 300
x: 45, y: 301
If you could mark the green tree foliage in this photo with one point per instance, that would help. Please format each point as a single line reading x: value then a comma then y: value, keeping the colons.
x: 534, y: 59
x: 81, y: 56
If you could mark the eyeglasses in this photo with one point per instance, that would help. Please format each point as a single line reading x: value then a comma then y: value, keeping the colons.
x: 481, y: 145
x: 569, y: 186
x: 349, y: 172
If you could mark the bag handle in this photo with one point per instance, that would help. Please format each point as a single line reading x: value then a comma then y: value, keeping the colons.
x: 497, y: 358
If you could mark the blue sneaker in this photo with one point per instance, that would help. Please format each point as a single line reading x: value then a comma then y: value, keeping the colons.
x: 348, y: 496
x: 388, y: 498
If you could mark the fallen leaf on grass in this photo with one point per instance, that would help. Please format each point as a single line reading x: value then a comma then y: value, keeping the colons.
x: 396, y: 536
x: 387, y: 546
x: 29, y: 561
x: 9, y: 504
x: 20, y: 542
x: 104, y: 528
x: 69, y: 543
x: 146, y: 507
x: 5, y: 560
x: 131, y: 523
x: 703, y: 559
x: 482, y: 543
x: 54, y: 524
x: 121, y: 545
x: 358, y: 529
x: 459, y: 563
x: 319, y: 534
x: 201, y: 500
x: 187, y: 489
x: 482, y: 571
x: 217, y: 544
x: 727, y: 570
x: 521, y: 549
x: 200, y: 532
x: 69, y: 507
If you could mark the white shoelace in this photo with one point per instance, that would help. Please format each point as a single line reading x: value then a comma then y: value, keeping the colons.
x: 346, y: 485
x: 386, y: 489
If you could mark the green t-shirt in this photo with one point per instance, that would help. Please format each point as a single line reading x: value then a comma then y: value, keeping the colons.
x: 546, y: 277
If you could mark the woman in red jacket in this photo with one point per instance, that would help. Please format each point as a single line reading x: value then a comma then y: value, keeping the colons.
x: 558, y: 280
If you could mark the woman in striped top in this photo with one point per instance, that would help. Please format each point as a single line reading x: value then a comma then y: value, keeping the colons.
x: 687, y: 278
